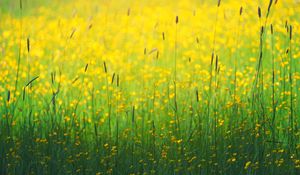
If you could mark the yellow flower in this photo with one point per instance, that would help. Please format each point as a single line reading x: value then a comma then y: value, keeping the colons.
x: 247, y: 164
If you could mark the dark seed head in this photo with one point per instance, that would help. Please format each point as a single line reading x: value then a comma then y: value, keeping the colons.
x: 113, y: 78
x: 118, y: 81
x: 286, y: 26
x: 72, y: 34
x: 74, y: 81
x: 259, y: 12
x: 291, y: 32
x: 269, y: 7
x: 241, y: 10
x: 28, y: 45
x: 133, y: 111
x: 53, y: 74
x: 212, y: 59
x: 217, y: 60
x: 21, y: 4
x: 261, y: 30
x: 272, y: 29
x: 105, y: 68
x: 8, y: 95
x: 23, y: 97
x: 128, y: 12
x: 86, y: 67
x: 177, y: 20
x: 197, y: 95
x: 90, y: 26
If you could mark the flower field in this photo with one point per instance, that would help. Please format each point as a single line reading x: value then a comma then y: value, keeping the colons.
x: 150, y: 87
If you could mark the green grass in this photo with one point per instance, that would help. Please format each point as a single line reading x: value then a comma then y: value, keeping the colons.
x: 199, y: 131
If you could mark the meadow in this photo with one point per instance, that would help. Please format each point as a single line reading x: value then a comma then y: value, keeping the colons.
x: 150, y: 87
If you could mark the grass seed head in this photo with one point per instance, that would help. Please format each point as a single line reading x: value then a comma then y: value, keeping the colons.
x: 217, y: 60
x: 262, y: 30
x: 113, y: 78
x: 270, y: 4
x: 8, y: 96
x: 105, y: 68
x: 241, y: 10
x: 28, y: 45
x: 72, y: 34
x: 212, y: 59
x: 86, y: 67
x: 118, y: 81
x: 128, y: 12
x: 272, y: 31
x: 291, y: 32
x: 21, y: 4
